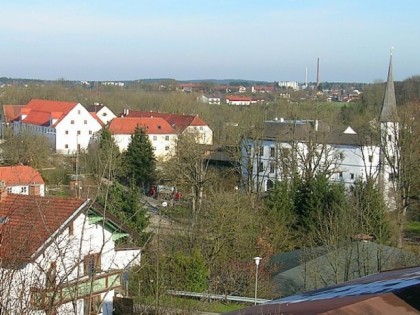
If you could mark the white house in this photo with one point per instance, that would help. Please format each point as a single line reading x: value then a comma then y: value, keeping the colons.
x: 68, y: 125
x: 161, y: 134
x: 23, y: 180
x: 60, y: 256
x: 344, y: 154
x: 182, y: 124
x: 102, y: 112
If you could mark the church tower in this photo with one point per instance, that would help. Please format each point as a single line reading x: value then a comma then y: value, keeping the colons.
x: 389, y: 134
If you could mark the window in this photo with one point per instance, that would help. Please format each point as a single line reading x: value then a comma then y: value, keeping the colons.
x: 389, y: 137
x: 66, y: 146
x: 78, y: 111
x: 23, y: 190
x: 72, y: 122
x: 260, y: 167
x: 66, y: 132
x: 272, y: 167
x: 154, y: 138
x: 351, y: 175
x: 370, y: 158
x: 91, y: 264
x: 261, y: 151
x: 340, y: 174
x: 166, y: 138
x: 391, y: 176
x: 167, y: 148
x: 78, y: 132
x: 90, y: 132
x: 9, y: 190
x: 85, y: 122
x: 272, y: 152
x: 201, y: 128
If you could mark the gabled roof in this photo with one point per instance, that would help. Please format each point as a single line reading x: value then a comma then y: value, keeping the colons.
x: 389, y: 106
x: 177, y: 121
x: 51, y: 106
x: 152, y: 125
x: 235, y: 98
x: 11, y: 112
x: 40, y: 111
x: 31, y: 222
x: 95, y: 108
x: 20, y: 175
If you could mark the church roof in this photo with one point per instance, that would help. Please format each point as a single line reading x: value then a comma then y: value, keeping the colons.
x: 389, y: 106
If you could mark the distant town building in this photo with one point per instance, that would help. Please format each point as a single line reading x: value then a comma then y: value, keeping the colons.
x: 289, y: 84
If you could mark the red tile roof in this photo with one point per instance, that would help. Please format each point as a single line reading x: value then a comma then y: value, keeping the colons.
x: 177, y: 121
x: 31, y: 221
x: 40, y: 111
x: 11, y: 112
x: 152, y: 125
x: 51, y: 106
x: 239, y: 98
x: 20, y: 175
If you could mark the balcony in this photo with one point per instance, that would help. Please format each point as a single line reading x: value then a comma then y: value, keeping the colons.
x: 74, y: 290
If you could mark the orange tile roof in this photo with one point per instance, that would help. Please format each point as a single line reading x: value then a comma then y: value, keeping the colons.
x: 152, y: 125
x: 20, y: 175
x: 11, y: 112
x: 177, y: 121
x: 31, y: 221
x: 51, y: 106
x: 239, y: 98
x: 40, y: 111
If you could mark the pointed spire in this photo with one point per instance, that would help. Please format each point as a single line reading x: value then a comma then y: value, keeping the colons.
x: 389, y: 106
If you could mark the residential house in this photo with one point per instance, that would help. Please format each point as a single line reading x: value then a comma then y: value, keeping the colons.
x: 183, y: 124
x: 342, y: 152
x: 161, y: 134
x: 21, y: 179
x: 60, y: 256
x: 68, y: 125
x: 242, y: 100
x: 102, y: 112
x: 210, y: 99
x: 262, y: 89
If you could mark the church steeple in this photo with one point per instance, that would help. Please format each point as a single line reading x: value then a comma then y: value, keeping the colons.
x: 389, y: 106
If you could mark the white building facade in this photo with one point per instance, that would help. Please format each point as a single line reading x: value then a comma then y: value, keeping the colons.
x: 78, y: 269
x: 68, y: 126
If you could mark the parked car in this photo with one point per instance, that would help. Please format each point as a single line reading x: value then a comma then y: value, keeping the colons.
x: 164, y: 192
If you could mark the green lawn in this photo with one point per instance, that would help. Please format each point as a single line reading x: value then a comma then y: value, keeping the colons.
x: 413, y: 228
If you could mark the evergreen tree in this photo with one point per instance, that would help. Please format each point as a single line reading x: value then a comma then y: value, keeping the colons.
x: 139, y: 160
x: 125, y: 203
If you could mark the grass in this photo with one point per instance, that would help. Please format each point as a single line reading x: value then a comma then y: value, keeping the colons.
x: 413, y: 228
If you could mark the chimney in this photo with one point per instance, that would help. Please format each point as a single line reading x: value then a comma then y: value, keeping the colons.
x: 317, y: 73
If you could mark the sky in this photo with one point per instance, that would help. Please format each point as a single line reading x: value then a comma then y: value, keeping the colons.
x: 266, y: 40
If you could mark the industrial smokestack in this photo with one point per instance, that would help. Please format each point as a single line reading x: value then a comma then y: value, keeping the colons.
x: 317, y: 73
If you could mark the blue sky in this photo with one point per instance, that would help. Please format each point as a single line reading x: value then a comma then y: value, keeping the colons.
x: 270, y: 40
